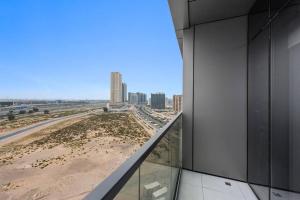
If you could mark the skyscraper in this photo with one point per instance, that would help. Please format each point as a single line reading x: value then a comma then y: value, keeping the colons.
x: 124, y: 92
x: 132, y: 98
x: 116, y: 88
x: 137, y: 98
x: 142, y: 98
x: 177, y: 103
x: 158, y: 101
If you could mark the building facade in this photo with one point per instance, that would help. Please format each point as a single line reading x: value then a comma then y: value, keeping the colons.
x: 116, y: 88
x: 132, y: 98
x: 124, y: 92
x: 158, y: 101
x: 142, y: 98
x: 241, y: 83
x: 177, y: 103
x: 137, y: 98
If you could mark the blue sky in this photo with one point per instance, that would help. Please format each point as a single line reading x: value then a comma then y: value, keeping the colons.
x: 66, y: 49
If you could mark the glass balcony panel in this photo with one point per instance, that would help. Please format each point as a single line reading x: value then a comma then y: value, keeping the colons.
x: 130, y: 190
x: 156, y: 172
x: 175, y: 148
x: 156, y: 176
x: 159, y: 172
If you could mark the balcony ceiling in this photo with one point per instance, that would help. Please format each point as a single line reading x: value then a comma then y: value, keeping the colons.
x: 202, y: 11
x: 186, y: 13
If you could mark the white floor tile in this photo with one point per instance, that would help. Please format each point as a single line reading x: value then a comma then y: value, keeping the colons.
x: 284, y: 195
x: 210, y: 194
x: 247, y: 192
x: 197, y: 186
x: 191, y: 178
x: 189, y: 192
x: 219, y: 184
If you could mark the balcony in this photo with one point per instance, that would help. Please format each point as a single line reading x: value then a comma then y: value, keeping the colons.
x: 155, y: 173
x: 151, y: 173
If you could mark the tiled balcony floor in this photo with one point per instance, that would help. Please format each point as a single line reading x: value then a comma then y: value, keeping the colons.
x: 284, y: 195
x: 196, y: 186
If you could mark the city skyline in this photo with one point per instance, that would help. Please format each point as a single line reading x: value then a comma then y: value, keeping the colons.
x: 119, y: 93
x: 67, y: 49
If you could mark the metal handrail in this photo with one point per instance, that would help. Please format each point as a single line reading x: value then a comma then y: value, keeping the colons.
x: 112, y: 185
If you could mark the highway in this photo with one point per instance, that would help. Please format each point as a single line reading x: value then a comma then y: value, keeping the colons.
x: 51, y: 107
x: 38, y: 126
x: 156, y: 122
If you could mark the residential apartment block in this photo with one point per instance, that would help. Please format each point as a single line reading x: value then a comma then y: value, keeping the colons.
x: 124, y: 92
x: 116, y: 88
x: 158, y: 101
x: 177, y: 103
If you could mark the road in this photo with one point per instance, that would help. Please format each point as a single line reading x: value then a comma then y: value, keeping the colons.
x: 36, y: 127
x: 51, y: 107
x: 154, y: 122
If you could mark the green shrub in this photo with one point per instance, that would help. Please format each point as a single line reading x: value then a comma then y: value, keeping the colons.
x: 11, y: 116
x: 22, y: 112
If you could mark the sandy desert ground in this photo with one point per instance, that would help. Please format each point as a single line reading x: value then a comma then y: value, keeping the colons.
x: 68, y: 160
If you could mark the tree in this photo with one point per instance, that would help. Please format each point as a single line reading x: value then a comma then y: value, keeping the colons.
x: 22, y: 112
x: 105, y: 109
x: 46, y: 111
x: 30, y: 111
x: 35, y: 109
x: 11, y: 116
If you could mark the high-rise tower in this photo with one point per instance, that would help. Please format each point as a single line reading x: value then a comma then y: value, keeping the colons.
x: 177, y: 103
x: 124, y: 92
x: 116, y: 88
